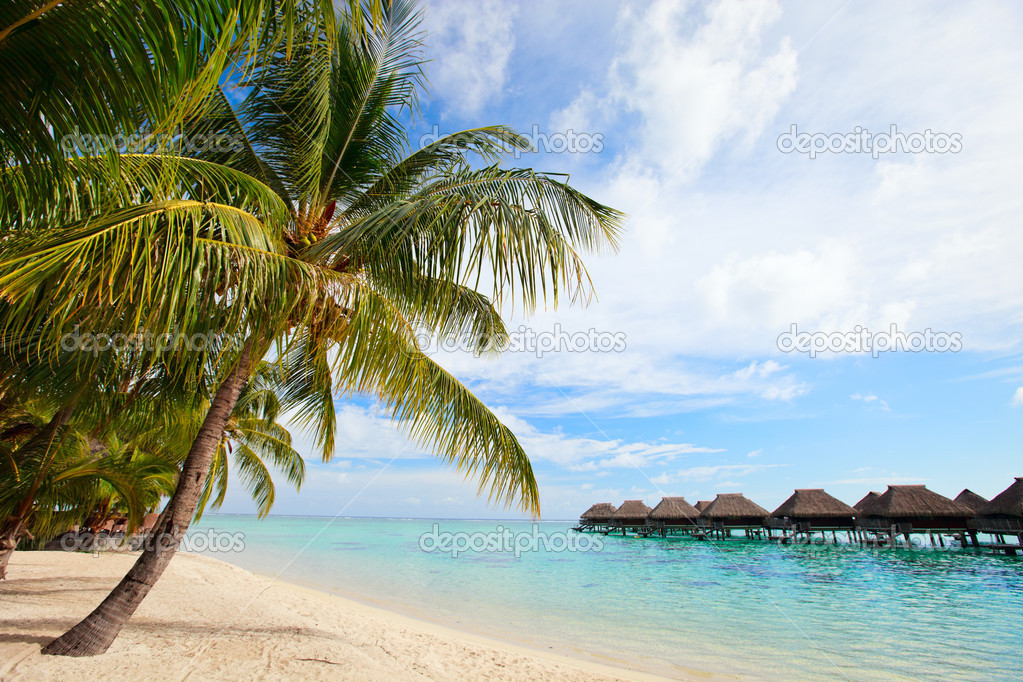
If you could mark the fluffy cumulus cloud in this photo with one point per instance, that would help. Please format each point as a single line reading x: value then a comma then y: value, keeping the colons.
x: 694, y: 90
x: 736, y: 241
x: 470, y: 45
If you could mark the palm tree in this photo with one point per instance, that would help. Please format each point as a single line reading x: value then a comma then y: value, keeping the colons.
x: 98, y: 69
x: 373, y: 242
x: 103, y: 71
x: 49, y: 484
x: 96, y: 467
x: 256, y: 442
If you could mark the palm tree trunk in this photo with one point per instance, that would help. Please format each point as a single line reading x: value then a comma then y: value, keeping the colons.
x: 15, y: 527
x: 13, y: 532
x: 96, y: 633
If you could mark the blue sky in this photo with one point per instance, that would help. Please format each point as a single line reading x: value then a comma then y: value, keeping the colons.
x: 729, y: 243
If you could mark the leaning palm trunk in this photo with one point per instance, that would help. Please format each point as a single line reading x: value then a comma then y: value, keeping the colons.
x: 96, y: 633
x: 14, y: 531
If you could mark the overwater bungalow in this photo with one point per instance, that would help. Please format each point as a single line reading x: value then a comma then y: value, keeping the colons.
x: 1003, y: 516
x: 811, y: 509
x: 732, y: 511
x: 906, y: 509
x: 702, y: 504
x: 631, y: 515
x: 866, y: 500
x: 672, y: 515
x: 971, y: 500
x: 597, y: 517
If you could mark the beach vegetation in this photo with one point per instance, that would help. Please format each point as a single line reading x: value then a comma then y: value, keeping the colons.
x: 316, y: 239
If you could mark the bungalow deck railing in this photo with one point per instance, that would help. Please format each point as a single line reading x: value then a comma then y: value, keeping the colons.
x: 985, y: 525
x: 883, y: 525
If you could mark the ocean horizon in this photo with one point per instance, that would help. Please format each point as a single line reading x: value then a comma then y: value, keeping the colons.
x: 667, y: 606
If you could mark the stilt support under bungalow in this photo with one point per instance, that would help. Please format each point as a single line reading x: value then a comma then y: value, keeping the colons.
x: 871, y: 535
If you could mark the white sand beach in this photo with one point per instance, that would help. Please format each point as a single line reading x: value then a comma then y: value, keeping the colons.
x: 207, y: 619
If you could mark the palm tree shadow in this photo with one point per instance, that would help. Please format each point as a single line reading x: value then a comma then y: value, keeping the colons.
x: 41, y: 640
x: 18, y: 630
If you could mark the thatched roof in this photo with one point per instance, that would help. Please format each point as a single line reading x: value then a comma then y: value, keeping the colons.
x: 866, y: 500
x: 733, y: 505
x: 813, y: 503
x: 674, y: 509
x: 1009, y: 502
x: 602, y: 510
x: 702, y: 504
x: 971, y: 500
x: 632, y: 509
x: 912, y: 501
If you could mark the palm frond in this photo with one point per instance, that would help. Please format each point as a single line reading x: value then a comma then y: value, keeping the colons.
x: 521, y: 229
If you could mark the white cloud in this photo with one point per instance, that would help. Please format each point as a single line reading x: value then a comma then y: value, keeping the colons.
x: 579, y: 453
x: 694, y: 90
x: 754, y: 453
x: 878, y: 480
x: 871, y: 398
x: 470, y: 45
x: 362, y: 434
x: 875, y: 478
x: 581, y: 115
x: 736, y: 241
x: 1017, y: 398
x: 706, y: 473
x: 762, y: 370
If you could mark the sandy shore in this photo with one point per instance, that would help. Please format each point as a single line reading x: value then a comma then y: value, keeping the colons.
x: 206, y: 619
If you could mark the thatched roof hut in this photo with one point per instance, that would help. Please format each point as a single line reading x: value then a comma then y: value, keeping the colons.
x: 675, y: 511
x: 971, y: 500
x: 631, y: 513
x: 702, y: 504
x: 599, y: 513
x: 866, y: 500
x: 916, y: 505
x: 816, y: 507
x: 1007, y: 504
x: 733, y: 509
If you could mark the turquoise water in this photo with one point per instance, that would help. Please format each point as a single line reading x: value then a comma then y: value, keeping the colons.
x: 667, y: 605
